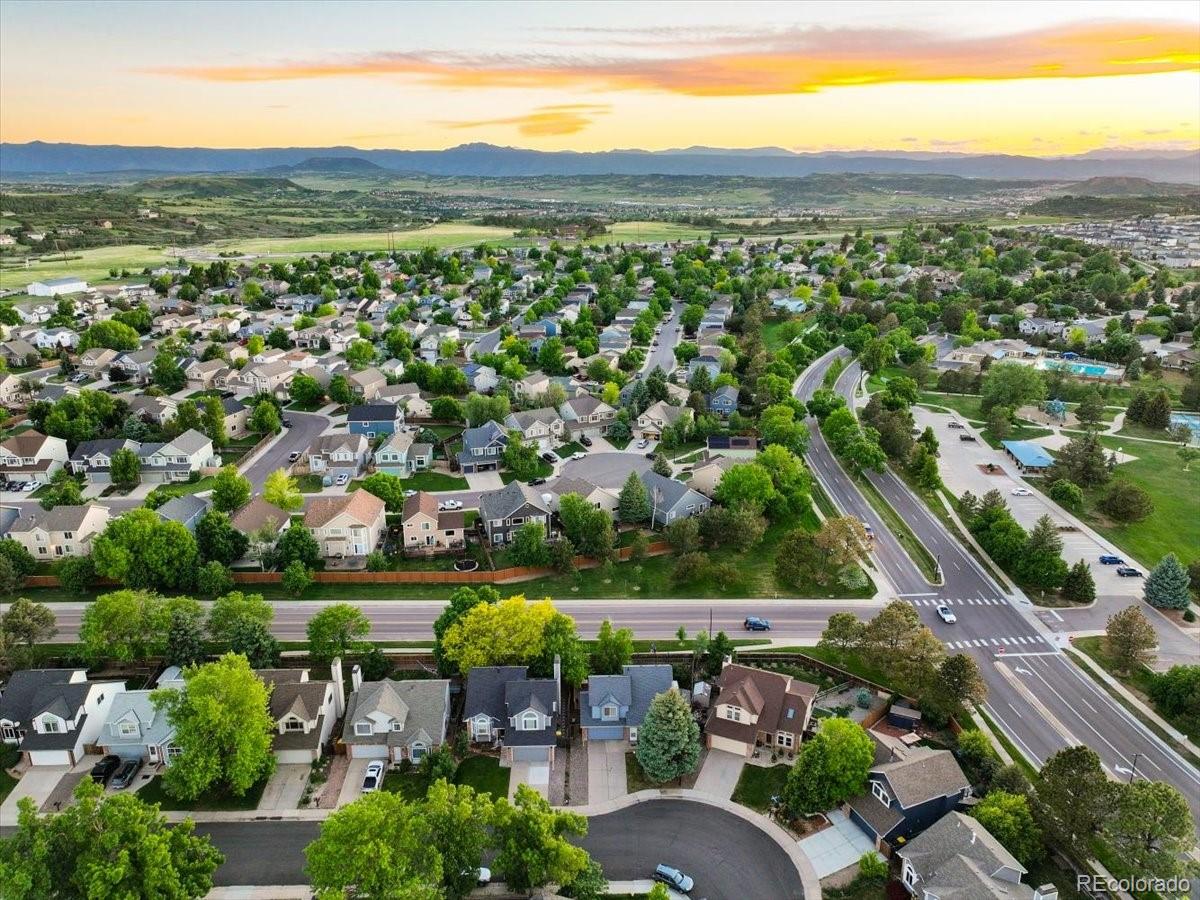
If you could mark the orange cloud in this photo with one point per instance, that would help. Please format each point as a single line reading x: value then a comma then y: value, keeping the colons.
x: 567, y: 118
x: 778, y: 62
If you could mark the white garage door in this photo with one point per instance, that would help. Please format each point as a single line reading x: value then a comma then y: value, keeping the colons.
x: 286, y: 757
x: 368, y: 751
x: 50, y: 757
x: 726, y: 744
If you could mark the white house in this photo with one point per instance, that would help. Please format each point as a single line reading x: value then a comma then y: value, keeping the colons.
x: 51, y: 714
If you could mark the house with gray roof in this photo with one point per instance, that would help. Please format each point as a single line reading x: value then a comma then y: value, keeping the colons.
x: 505, y: 708
x: 304, y: 712
x: 187, y: 510
x: 395, y: 720
x: 483, y: 448
x: 612, y: 707
x: 52, y: 714
x: 505, y: 511
x: 542, y: 427
x: 136, y: 729
x: 958, y: 857
x: 908, y: 793
x: 671, y: 499
x: 586, y: 413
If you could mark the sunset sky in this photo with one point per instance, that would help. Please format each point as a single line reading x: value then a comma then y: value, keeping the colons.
x: 1037, y: 78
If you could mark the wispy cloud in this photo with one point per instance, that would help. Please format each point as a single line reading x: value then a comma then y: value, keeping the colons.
x: 784, y: 61
x: 567, y: 118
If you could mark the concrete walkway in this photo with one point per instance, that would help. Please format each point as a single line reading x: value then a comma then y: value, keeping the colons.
x: 606, y: 770
x: 720, y: 773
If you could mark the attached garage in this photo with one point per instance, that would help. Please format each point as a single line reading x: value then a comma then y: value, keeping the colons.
x: 729, y: 745
x: 605, y: 733
x: 368, y: 751
x: 531, y: 754
x: 51, y: 758
x: 286, y: 757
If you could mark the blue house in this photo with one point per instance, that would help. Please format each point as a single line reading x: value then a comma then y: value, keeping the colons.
x: 612, y: 707
x: 723, y: 401
x: 483, y: 448
x: 711, y: 363
x: 908, y: 794
x: 374, y: 419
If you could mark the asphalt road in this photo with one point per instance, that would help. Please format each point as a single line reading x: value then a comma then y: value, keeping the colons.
x: 726, y: 855
x: 1037, y: 696
x: 412, y: 620
x: 663, y: 355
x: 304, y: 430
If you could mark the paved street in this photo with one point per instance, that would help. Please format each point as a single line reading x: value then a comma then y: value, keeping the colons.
x: 1037, y: 696
x: 607, y: 470
x: 663, y: 355
x: 304, y: 430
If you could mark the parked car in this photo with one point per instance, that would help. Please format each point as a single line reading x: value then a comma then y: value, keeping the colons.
x: 1128, y: 572
x: 536, y: 481
x: 672, y: 877
x: 1109, y: 560
x: 643, y: 444
x: 409, y: 493
x: 585, y: 440
x: 449, y: 504
x: 967, y: 437
x: 103, y: 770
x: 945, y: 614
x: 126, y: 774
x: 373, y: 778
x: 286, y: 423
x: 1022, y: 492
x: 550, y: 457
x: 652, y: 454
x: 755, y: 623
x: 342, y: 480
x: 33, y: 485
x: 579, y: 454
x: 293, y: 456
x: 483, y: 876
x: 954, y: 425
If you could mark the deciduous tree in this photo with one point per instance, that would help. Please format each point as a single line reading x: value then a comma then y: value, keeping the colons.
x: 614, y: 649
x: 531, y: 842
x: 1009, y: 820
x: 231, y: 490
x: 831, y: 768
x: 1130, y: 639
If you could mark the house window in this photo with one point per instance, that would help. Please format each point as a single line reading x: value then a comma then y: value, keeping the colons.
x: 733, y: 713
x: 67, y: 535
x: 362, y: 729
x: 174, y: 752
x: 910, y: 874
x: 530, y: 721
x: 881, y: 793
x: 481, y: 728
x: 417, y: 751
x: 50, y: 726
x: 293, y: 725
x: 608, y: 712
x: 8, y: 732
x: 785, y: 740
x: 127, y: 729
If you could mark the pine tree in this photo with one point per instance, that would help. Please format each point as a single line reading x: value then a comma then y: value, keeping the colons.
x: 1167, y: 586
x: 1158, y: 411
x: 1079, y: 586
x: 669, y: 739
x: 634, y: 504
x: 1136, y: 411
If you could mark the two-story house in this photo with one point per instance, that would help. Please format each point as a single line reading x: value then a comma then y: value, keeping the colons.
x: 754, y: 707
x: 587, y: 414
x: 93, y: 459
x: 671, y: 499
x: 133, y: 365
x: 51, y: 714
x: 267, y: 378
x: 395, y: 720
x: 50, y: 534
x: 14, y: 391
x: 374, y: 419
x: 482, y: 379
x: 408, y: 397
x: 349, y: 525
x: 338, y: 454
x: 612, y: 707
x: 401, y: 454
x: 304, y: 712
x: 505, y: 511
x: 543, y: 427
x: 506, y: 708
x: 723, y: 401
x: 958, y: 857
x: 600, y: 498
x: 367, y: 383
x: 483, y: 448
x: 908, y: 793
x: 31, y: 455
x: 136, y: 729
x: 660, y: 415
x: 707, y: 473
x: 427, y: 529
x: 176, y: 459
x: 711, y: 364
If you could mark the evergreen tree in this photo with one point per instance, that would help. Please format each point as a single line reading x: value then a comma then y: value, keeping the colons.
x: 1158, y: 411
x: 1167, y: 585
x: 1079, y: 586
x: 669, y: 739
x: 633, y: 506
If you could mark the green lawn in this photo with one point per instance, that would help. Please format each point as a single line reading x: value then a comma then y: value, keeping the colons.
x: 154, y: 792
x: 297, y: 406
x: 567, y: 449
x: 635, y: 778
x: 966, y: 406
x: 186, y: 487
x: 484, y: 774
x: 1174, y: 526
x: 758, y: 785
x: 9, y: 756
x: 443, y: 431
x: 423, y: 481
x: 544, y: 470
x: 309, y: 484
x: 410, y: 785
x: 199, y: 395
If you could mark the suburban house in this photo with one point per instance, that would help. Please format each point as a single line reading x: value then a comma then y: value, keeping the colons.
x: 19, y: 353
x: 587, y: 413
x: 426, y: 529
x: 707, y: 473
x: 304, y: 712
x: 51, y: 714
x: 62, y: 531
x: 31, y: 455
x: 723, y: 401
x: 187, y: 510
x: 367, y: 383
x: 481, y: 378
x: 202, y: 376
x: 95, y: 362
x: 671, y: 499
x: 958, y: 857
x: 157, y: 410
x: 259, y: 515
x: 612, y: 707
x: 349, y: 525
x: 407, y: 396
x: 507, y: 510
x: 658, y: 416
x: 267, y: 378
x: 542, y: 427
x: 134, y: 365
x: 599, y: 497
x: 93, y: 459
x: 338, y: 454
x: 483, y: 448
x: 711, y: 364
x: 374, y: 419
x: 395, y: 720
x: 14, y: 391
x: 755, y: 707
x: 909, y: 793
x: 176, y: 459
x: 402, y: 454
x: 136, y: 729
x: 506, y: 708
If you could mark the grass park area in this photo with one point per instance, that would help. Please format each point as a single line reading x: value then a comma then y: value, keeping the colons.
x: 484, y: 774
x: 757, y: 785
x: 155, y: 792
x: 424, y: 481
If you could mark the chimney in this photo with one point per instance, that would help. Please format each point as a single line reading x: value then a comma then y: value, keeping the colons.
x: 356, y: 677
x: 726, y: 660
x: 339, y: 687
x: 1046, y: 892
x: 558, y: 682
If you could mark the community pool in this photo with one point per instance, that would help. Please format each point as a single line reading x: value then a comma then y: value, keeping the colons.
x: 1191, y: 420
x: 1086, y: 370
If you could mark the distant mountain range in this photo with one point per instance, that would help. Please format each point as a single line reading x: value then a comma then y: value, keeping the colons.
x: 40, y: 158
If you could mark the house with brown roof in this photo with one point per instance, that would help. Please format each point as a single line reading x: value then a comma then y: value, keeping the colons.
x: 31, y: 455
x: 755, y: 707
x: 304, y: 712
x: 350, y: 525
x: 426, y: 529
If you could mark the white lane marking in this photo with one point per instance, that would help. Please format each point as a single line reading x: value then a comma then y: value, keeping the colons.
x: 1006, y: 641
x: 925, y: 594
x: 1017, y: 711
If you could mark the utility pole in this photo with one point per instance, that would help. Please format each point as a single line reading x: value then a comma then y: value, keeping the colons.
x: 1133, y: 771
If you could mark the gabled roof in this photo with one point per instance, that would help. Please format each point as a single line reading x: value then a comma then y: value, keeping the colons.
x: 183, y: 508
x: 635, y: 687
x: 668, y: 490
x: 255, y: 514
x: 374, y: 412
x: 421, y: 705
x: 61, y: 518
x: 922, y: 775
x: 485, y: 690
x: 421, y: 502
x: 489, y: 432
x: 362, y: 506
x: 956, y: 857
x: 502, y: 503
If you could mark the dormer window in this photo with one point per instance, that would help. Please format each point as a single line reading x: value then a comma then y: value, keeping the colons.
x: 362, y: 729
x: 51, y: 725
x: 397, y: 726
x: 733, y: 713
x: 293, y: 725
x: 608, y: 712
x: 530, y: 721
x: 127, y: 729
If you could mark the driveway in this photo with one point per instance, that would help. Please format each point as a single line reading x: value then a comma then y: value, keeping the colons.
x: 606, y: 470
x: 536, y: 775
x: 720, y: 773
x: 352, y: 786
x: 38, y: 783
x: 837, y: 847
x: 285, y: 787
x: 606, y: 770
x: 484, y: 481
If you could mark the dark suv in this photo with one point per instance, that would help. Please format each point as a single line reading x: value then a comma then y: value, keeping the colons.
x: 103, y: 770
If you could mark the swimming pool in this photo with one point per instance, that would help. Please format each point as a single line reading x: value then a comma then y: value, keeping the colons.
x: 1087, y: 370
x: 1192, y: 421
